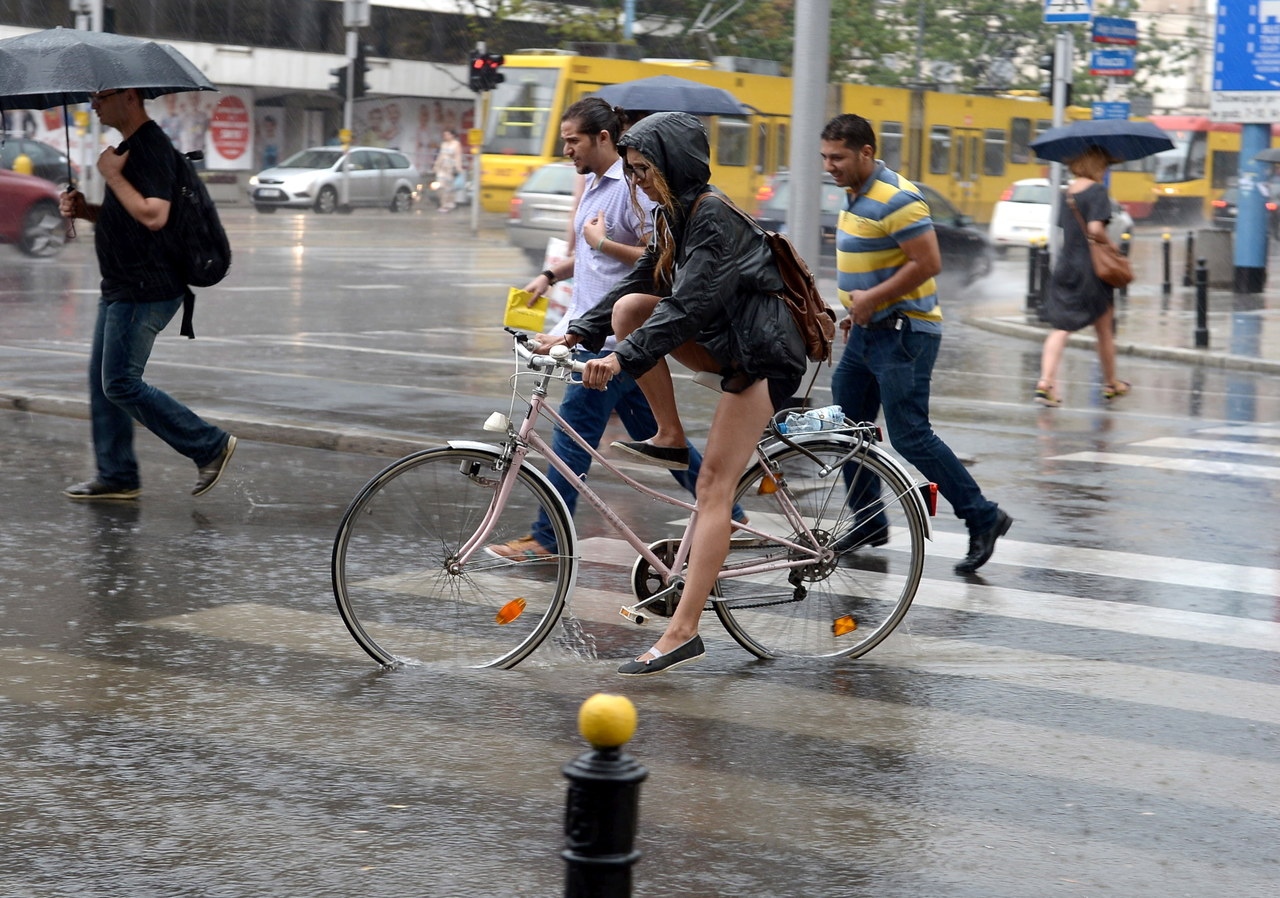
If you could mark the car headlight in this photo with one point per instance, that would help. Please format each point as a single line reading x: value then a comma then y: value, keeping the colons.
x: 253, y: 182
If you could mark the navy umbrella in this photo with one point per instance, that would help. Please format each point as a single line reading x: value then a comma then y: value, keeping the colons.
x: 667, y: 93
x: 62, y: 66
x: 1120, y: 139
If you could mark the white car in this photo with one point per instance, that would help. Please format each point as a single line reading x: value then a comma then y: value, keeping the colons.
x: 313, y: 179
x: 1022, y: 215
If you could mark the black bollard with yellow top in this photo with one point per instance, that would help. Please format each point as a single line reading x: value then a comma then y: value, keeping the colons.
x: 602, y: 810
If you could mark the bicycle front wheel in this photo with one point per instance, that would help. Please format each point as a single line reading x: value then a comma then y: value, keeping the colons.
x: 399, y: 586
x: 847, y: 603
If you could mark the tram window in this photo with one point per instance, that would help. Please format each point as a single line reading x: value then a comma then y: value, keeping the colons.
x: 520, y: 112
x: 784, y: 147
x: 891, y: 145
x: 1042, y: 125
x: 1226, y: 165
x: 939, y: 150
x: 993, y: 152
x: 1019, y: 140
x: 762, y: 147
x: 1198, y: 155
x: 732, y: 145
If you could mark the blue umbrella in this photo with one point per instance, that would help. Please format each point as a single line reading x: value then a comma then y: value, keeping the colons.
x: 1120, y: 139
x: 667, y: 93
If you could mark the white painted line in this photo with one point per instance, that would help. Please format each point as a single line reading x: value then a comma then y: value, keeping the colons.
x: 1185, y: 465
x: 1230, y: 447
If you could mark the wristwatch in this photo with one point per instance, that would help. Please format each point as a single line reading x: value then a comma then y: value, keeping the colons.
x: 550, y: 276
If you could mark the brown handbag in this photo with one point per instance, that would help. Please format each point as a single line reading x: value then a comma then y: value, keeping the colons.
x: 1108, y: 263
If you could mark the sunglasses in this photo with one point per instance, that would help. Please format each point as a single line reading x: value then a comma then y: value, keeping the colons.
x: 637, y: 172
x: 99, y: 97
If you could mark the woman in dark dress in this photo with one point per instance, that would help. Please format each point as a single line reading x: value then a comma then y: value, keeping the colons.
x: 1077, y: 296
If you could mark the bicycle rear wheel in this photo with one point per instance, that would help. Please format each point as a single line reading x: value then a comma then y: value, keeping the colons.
x: 843, y: 606
x: 394, y: 577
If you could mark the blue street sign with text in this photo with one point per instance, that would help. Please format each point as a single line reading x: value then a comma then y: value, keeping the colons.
x: 1112, y: 62
x: 1068, y: 10
x: 1246, y: 62
x: 1114, y: 31
x: 1111, y: 110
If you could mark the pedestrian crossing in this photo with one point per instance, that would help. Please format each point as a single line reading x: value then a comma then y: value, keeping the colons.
x: 1200, y: 454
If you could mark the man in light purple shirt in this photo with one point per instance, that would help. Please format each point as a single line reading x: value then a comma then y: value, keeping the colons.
x: 609, y: 238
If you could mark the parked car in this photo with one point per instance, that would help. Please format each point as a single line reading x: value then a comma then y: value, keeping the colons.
x: 965, y: 250
x: 541, y: 208
x: 47, y: 162
x: 313, y: 179
x: 1022, y: 215
x: 1224, y: 211
x: 29, y: 216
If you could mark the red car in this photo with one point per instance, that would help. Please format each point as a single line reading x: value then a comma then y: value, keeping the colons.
x: 29, y: 214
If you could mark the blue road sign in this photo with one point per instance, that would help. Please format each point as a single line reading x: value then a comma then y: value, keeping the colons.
x: 1068, y: 10
x: 1115, y: 31
x: 1246, y: 61
x: 1118, y: 61
x: 1111, y: 110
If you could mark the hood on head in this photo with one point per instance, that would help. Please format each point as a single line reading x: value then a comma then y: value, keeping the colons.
x: 677, y: 144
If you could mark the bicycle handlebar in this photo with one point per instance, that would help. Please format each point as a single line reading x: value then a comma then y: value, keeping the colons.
x: 557, y: 357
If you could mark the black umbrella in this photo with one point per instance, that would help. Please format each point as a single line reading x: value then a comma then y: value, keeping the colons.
x: 667, y: 93
x: 1268, y: 155
x: 61, y: 66
x: 1120, y: 139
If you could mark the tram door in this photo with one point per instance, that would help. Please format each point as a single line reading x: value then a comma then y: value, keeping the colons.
x: 967, y: 162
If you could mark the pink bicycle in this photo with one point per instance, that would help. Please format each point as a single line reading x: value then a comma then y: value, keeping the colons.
x: 826, y: 567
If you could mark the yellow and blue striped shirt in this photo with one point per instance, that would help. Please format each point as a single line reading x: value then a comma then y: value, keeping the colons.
x: 868, y: 236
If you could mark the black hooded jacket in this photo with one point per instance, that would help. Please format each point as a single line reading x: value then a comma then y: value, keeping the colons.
x: 725, y: 289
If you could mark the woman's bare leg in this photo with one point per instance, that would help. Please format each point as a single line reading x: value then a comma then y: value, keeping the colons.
x: 1051, y: 357
x: 1105, y: 329
x: 736, y: 428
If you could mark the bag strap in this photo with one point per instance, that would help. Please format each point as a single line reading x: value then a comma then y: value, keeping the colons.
x: 1084, y: 228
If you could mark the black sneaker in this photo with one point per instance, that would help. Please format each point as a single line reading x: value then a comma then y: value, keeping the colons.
x: 871, y: 534
x: 208, y: 475
x: 981, y: 545
x: 96, y: 489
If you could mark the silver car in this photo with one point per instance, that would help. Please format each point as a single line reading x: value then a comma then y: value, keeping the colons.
x: 541, y: 209
x: 313, y: 178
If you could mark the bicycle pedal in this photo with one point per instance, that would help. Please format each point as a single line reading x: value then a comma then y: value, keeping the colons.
x: 639, y: 618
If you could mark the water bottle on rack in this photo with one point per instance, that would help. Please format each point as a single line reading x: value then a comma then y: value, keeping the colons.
x: 826, y: 418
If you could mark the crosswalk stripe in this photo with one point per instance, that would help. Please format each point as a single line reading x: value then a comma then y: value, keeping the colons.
x: 1186, y: 465
x: 1267, y: 431
x: 1228, y: 447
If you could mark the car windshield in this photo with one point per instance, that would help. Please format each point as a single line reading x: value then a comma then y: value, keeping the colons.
x: 551, y: 179
x: 520, y: 112
x: 1031, y: 193
x: 312, y: 159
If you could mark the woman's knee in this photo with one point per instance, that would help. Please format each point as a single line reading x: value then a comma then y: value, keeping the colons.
x: 631, y: 311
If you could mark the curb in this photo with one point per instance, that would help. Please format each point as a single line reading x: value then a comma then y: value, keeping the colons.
x: 353, y: 440
x: 1017, y: 327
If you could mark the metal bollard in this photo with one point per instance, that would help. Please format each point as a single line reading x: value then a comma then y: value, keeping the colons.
x: 602, y: 809
x: 1125, y: 241
x: 1042, y: 290
x: 1033, y: 261
x: 1202, y: 304
x: 1166, y: 286
x: 1188, y: 268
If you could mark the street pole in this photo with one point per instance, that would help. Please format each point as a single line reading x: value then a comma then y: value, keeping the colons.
x: 477, y: 122
x: 1250, y: 274
x: 808, y: 106
x: 1063, y: 57
x: 348, y: 113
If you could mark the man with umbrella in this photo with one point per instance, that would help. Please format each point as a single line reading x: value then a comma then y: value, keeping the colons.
x: 141, y: 292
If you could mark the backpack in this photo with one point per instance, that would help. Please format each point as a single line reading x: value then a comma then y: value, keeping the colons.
x: 194, y: 239
x: 814, y: 318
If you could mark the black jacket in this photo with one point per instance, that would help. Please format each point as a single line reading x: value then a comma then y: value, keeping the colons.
x: 726, y: 285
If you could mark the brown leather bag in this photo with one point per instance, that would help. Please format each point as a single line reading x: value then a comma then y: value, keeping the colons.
x: 1109, y: 264
x: 814, y: 318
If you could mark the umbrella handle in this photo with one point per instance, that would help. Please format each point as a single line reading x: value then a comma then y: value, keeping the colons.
x: 71, y: 181
x: 71, y: 222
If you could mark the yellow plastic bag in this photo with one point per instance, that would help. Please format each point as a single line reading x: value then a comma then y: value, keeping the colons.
x: 523, y: 316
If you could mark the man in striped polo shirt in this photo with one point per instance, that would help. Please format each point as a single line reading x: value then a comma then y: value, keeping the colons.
x: 887, y: 256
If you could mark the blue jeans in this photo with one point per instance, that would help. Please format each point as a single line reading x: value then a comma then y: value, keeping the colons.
x: 587, y: 411
x: 122, y: 339
x: 892, y: 368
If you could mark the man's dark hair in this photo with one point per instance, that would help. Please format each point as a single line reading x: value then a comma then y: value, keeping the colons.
x: 594, y: 115
x: 853, y: 131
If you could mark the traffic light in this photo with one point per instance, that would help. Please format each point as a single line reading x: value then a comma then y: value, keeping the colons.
x: 1047, y: 64
x: 493, y: 77
x: 475, y: 77
x: 360, y: 71
x: 339, y: 86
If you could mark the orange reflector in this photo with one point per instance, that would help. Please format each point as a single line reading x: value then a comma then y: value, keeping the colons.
x: 510, y: 611
x: 929, y: 492
x: 843, y: 625
x: 768, y: 486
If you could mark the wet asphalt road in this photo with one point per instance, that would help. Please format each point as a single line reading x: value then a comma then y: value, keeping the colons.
x: 182, y: 712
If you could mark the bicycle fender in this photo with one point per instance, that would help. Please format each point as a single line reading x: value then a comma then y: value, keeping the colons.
x: 889, y: 461
x: 533, y: 470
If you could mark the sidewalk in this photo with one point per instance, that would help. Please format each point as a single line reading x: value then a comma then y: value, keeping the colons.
x: 1244, y: 329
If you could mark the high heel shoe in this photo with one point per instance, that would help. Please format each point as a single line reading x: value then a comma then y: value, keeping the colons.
x: 1047, y: 396
x: 1115, y: 390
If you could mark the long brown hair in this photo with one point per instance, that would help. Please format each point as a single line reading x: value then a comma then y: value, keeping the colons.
x: 666, y: 212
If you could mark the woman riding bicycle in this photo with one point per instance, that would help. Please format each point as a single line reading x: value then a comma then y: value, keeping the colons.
x: 706, y: 291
